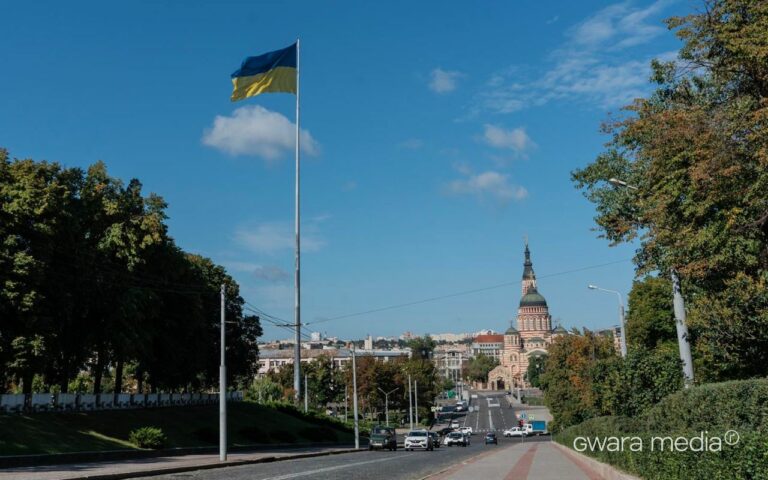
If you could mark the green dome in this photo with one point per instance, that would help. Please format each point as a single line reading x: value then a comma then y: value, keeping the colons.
x: 511, y: 331
x: 533, y: 299
x: 560, y: 329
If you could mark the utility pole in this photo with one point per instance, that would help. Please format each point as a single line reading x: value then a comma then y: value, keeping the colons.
x: 346, y: 403
x: 306, y: 397
x: 354, y: 397
x: 410, y: 402
x: 416, y: 399
x: 222, y: 389
x: 682, y: 329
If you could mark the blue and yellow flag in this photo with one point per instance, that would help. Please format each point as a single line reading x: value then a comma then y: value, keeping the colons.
x: 270, y: 72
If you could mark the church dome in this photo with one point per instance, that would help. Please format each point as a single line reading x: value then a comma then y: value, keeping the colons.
x: 533, y: 299
x: 511, y: 331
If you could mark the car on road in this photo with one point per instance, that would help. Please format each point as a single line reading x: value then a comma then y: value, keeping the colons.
x: 490, y: 437
x: 454, y: 424
x: 418, y: 439
x: 455, y: 439
x: 435, y: 439
x: 383, y: 438
x: 515, y: 432
x: 467, y: 430
x: 445, y: 431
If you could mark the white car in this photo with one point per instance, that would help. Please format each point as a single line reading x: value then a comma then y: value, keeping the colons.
x: 466, y: 430
x: 418, y: 439
x: 454, y: 424
x: 455, y: 438
x: 515, y: 432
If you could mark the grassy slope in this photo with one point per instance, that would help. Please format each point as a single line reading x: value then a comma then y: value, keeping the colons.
x: 184, y: 426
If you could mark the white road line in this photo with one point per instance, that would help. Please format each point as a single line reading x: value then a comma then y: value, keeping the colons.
x: 490, y: 421
x: 331, y: 469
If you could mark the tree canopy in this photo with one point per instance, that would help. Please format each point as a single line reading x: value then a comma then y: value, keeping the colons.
x: 91, y: 280
x: 696, y: 151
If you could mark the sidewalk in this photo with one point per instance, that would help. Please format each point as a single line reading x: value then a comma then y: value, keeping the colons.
x: 533, y: 460
x: 158, y: 465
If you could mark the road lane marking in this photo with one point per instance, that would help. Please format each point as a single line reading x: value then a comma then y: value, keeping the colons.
x: 330, y: 469
x: 490, y: 420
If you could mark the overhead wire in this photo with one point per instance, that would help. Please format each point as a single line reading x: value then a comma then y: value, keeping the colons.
x: 461, y: 293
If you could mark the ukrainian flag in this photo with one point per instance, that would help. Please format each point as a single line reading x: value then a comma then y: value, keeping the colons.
x: 271, y: 72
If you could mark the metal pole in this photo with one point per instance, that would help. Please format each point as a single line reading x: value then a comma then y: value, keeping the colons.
x: 306, y: 397
x: 386, y: 407
x: 354, y: 397
x: 222, y: 389
x: 682, y: 329
x: 410, y: 402
x: 346, y: 403
x: 623, y: 329
x: 297, y: 275
x: 416, y: 399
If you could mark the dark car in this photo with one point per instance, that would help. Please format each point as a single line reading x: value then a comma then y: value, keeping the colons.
x: 383, y: 437
x: 491, y: 438
x: 444, y: 431
x: 435, y: 439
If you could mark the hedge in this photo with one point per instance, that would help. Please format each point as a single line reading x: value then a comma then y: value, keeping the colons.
x: 712, y: 409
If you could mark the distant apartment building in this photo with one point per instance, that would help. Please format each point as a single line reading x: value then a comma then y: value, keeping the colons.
x: 489, y: 345
x: 275, y: 359
x: 450, y: 337
x: 451, y: 359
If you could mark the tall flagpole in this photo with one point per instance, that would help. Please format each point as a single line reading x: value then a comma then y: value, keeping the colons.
x: 297, y: 278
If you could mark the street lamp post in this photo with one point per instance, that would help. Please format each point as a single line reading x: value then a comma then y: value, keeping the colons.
x: 222, y: 388
x: 386, y: 401
x: 621, y: 318
x: 678, y: 304
x: 354, y: 397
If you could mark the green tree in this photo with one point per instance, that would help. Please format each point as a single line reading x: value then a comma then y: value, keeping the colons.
x: 569, y: 378
x: 537, y: 365
x: 697, y: 151
x: 478, y: 368
x: 650, y: 320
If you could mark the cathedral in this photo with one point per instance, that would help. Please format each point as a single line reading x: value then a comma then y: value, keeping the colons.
x: 531, y: 338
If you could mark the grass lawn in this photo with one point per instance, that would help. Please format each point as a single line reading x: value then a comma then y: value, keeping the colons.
x: 248, y: 423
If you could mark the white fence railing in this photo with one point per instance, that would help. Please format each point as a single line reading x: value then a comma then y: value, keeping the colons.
x: 70, y: 402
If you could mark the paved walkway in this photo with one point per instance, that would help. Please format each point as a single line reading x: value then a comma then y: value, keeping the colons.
x: 533, y: 460
x: 114, y: 468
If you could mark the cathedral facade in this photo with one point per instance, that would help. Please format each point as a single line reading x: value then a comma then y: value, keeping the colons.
x: 531, y: 338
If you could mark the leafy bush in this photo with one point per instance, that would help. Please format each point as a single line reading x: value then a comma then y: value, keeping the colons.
x: 148, y: 437
x: 714, y: 409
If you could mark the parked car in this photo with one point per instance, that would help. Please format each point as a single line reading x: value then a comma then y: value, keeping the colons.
x: 383, y: 437
x: 418, y: 439
x: 455, y: 439
x: 467, y: 430
x: 515, y: 432
x: 435, y: 439
x: 490, y: 437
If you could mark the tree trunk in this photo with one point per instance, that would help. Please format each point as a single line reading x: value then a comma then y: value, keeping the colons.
x: 98, y: 371
x: 118, y: 378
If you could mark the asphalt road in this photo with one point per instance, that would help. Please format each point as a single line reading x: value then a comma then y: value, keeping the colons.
x: 490, y: 412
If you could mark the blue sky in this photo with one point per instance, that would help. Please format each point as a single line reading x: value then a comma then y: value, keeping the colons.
x: 438, y: 135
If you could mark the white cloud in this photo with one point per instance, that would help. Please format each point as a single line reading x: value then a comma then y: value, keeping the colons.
x: 444, y: 81
x: 516, y: 139
x: 271, y: 273
x: 274, y: 237
x: 488, y: 184
x: 254, y: 130
x: 591, y: 66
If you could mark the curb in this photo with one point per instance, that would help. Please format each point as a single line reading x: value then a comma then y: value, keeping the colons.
x: 606, y: 471
x: 209, y: 466
x: 14, y: 461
